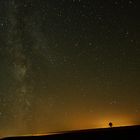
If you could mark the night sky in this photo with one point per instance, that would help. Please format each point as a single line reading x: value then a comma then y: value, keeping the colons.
x: 68, y: 64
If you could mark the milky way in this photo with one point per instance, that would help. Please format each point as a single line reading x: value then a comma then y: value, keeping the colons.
x: 20, y: 64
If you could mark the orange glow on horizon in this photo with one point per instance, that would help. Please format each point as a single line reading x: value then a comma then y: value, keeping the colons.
x: 117, y: 121
x: 79, y: 123
x: 103, y: 122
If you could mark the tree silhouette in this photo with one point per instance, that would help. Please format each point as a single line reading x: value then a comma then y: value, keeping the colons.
x: 110, y: 124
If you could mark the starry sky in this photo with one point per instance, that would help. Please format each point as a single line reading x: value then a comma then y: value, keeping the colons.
x: 68, y: 64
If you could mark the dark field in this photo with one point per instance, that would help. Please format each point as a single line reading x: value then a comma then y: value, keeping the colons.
x: 116, y: 133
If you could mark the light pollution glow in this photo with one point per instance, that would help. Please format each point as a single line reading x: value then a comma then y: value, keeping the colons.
x: 77, y: 124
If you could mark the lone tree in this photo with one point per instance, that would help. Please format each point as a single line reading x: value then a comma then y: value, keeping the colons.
x: 110, y: 124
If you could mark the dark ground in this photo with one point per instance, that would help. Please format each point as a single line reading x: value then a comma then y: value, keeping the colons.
x: 116, y: 133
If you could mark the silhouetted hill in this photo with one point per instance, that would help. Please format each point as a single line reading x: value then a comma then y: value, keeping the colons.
x: 116, y: 133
